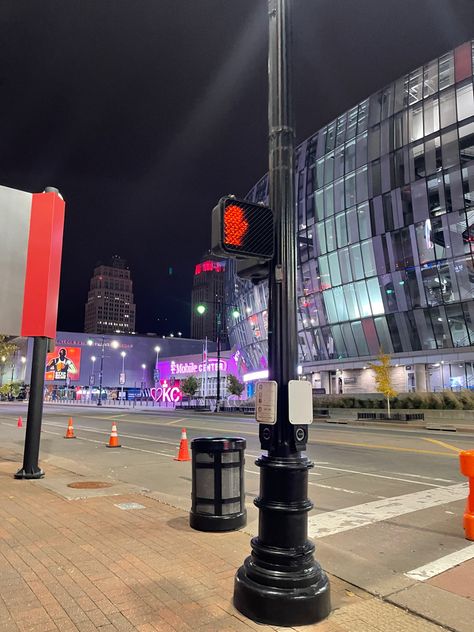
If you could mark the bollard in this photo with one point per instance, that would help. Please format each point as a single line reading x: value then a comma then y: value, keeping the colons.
x: 466, y: 459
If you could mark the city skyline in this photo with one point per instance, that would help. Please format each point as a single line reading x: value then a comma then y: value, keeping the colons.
x: 162, y: 112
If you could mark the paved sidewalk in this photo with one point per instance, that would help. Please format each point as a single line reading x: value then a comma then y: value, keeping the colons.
x: 85, y: 564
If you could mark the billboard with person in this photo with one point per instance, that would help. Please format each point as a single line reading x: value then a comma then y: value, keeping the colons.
x: 63, y: 364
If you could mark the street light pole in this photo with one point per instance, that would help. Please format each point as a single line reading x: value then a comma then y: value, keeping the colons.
x: 101, y: 369
x: 281, y: 583
x: 218, y: 336
x: 123, y: 354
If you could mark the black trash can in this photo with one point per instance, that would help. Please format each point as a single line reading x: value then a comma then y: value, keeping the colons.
x: 218, y: 496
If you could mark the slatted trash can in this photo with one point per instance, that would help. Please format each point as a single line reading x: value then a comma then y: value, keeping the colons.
x: 218, y: 494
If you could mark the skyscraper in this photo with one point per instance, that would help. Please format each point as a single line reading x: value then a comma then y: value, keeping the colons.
x: 207, y: 300
x: 110, y: 307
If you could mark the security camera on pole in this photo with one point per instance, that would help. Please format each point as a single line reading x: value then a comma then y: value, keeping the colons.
x: 280, y: 583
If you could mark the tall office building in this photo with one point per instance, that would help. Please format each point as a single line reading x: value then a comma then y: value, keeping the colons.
x: 208, y: 304
x: 110, y: 307
x: 385, y: 214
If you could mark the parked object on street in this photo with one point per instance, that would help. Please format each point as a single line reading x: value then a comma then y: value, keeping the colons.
x: 467, y: 468
x: 20, y: 423
x: 183, y: 454
x: 70, y: 430
x: 114, y: 440
x: 218, y: 494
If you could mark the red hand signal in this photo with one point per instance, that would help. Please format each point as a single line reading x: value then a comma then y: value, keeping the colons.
x: 235, y: 225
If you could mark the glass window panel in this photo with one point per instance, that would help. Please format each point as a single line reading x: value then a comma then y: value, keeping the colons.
x: 392, y: 324
x: 400, y: 129
x: 466, y: 143
x: 415, y: 291
x: 419, y: 200
x: 417, y: 161
x: 432, y: 285
x: 435, y: 192
x: 329, y: 168
x: 455, y: 189
x: 319, y: 204
x: 457, y: 325
x: 430, y: 79
x: 387, y: 101
x: 375, y: 108
x: 386, y: 137
x: 349, y: 340
x: 361, y: 150
x: 362, y: 116
x: 329, y: 200
x: 374, y: 143
x: 468, y: 184
x: 441, y: 330
x: 350, y: 155
x: 425, y: 329
x: 351, y: 301
x: 388, y: 212
x: 375, y: 180
x: 351, y: 123
x: 330, y: 306
x: 447, y: 106
x: 341, y: 230
x: 345, y: 265
x: 450, y: 149
x: 362, y: 184
x: 375, y: 296
x: 468, y: 309
x: 350, y: 190
x: 446, y: 71
x: 325, y: 277
x: 339, y: 195
x: 433, y: 155
x: 352, y: 225
x: 368, y: 258
x: 363, y: 299
x: 463, y: 56
x: 388, y: 170
x: 458, y: 226
x: 465, y: 101
x: 383, y: 334
x: 371, y: 335
x: 415, y: 91
x: 440, y: 237
x: 363, y: 215
x: 415, y: 122
x: 321, y: 238
x: 431, y: 115
x: 359, y: 337
x: 401, y: 94
x: 447, y: 279
x: 388, y: 293
x: 340, y: 349
x: 356, y: 261
x: 330, y: 234
x: 330, y: 137
x: 341, y: 308
x: 334, y: 269
x: 339, y: 162
x: 319, y: 173
x: 341, y: 129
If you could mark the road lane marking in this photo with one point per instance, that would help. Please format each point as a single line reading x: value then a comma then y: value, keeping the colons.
x: 422, y: 573
x: 126, y: 447
x: 445, y: 445
x: 426, y: 478
x: 175, y: 421
x: 372, y: 474
x: 332, y: 522
x: 106, y: 432
x: 374, y: 446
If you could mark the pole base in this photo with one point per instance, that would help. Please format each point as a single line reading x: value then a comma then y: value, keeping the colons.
x: 286, y: 607
x: 29, y: 474
x: 203, y: 522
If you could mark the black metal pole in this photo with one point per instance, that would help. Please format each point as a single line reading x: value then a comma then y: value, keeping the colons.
x: 30, y: 467
x: 99, y: 403
x: 281, y: 583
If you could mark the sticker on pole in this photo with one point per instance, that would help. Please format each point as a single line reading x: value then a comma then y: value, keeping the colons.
x: 266, y: 402
x: 300, y: 402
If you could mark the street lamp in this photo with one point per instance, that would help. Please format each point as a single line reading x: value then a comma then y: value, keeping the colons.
x: 3, y: 359
x: 115, y: 345
x: 23, y: 361
x: 156, y: 376
x: 122, y: 377
x: 92, y: 376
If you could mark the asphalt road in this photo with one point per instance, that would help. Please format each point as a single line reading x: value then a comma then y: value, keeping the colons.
x: 386, y: 500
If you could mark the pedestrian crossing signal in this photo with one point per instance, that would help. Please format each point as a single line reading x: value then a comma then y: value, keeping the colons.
x: 242, y: 229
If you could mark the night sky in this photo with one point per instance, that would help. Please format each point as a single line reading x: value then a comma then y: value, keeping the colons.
x: 144, y: 112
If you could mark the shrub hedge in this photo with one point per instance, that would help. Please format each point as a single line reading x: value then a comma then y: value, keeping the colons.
x: 459, y: 400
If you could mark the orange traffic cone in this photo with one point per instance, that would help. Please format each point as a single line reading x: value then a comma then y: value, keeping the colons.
x: 114, y: 441
x: 70, y: 430
x: 183, y: 454
x: 467, y: 468
x: 20, y: 423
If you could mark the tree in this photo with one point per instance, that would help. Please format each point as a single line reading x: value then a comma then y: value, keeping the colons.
x: 234, y: 386
x: 189, y: 386
x: 383, y: 377
x: 7, y: 348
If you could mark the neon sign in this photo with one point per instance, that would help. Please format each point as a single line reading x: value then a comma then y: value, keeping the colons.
x: 182, y: 368
x: 209, y: 266
x: 167, y: 394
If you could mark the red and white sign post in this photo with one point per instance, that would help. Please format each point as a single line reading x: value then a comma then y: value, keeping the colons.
x: 30, y: 261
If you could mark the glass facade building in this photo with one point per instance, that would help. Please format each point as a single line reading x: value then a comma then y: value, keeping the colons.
x: 385, y: 212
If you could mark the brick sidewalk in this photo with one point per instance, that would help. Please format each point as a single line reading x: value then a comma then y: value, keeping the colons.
x: 88, y: 565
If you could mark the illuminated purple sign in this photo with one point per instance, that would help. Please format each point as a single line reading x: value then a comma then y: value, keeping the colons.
x: 170, y: 369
